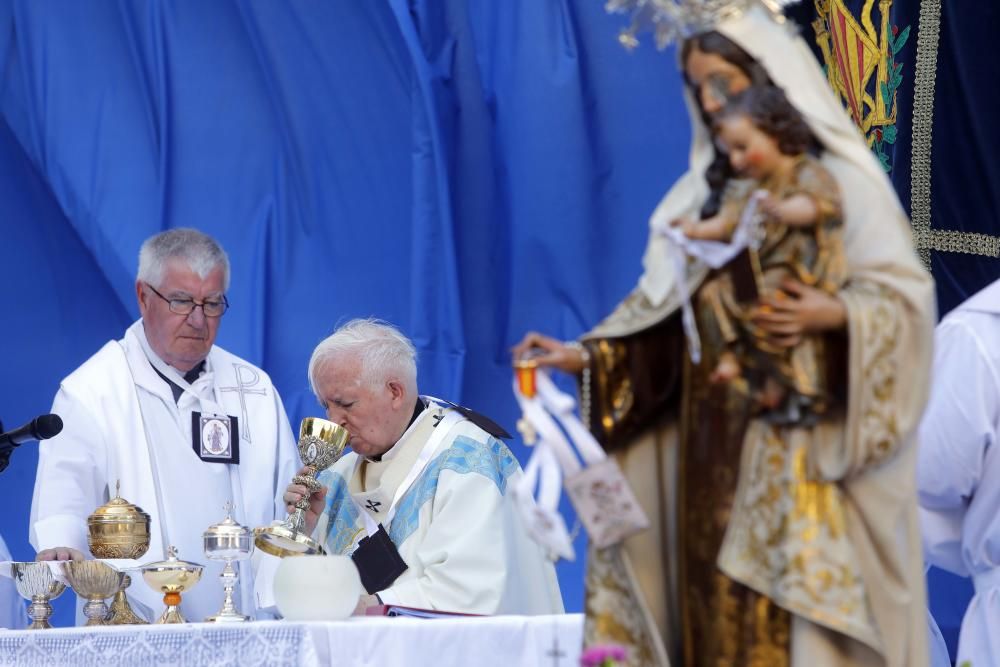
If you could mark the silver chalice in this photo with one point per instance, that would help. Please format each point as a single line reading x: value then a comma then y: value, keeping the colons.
x: 35, y: 582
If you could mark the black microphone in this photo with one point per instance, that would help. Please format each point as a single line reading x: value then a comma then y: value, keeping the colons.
x: 39, y: 428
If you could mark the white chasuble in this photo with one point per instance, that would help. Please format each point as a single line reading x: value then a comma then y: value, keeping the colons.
x: 958, y: 471
x: 122, y: 424
x: 455, y: 524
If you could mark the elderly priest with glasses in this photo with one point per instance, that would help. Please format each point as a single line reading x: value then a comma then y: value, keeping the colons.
x: 183, y: 425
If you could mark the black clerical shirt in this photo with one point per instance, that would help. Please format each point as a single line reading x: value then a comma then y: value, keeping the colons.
x: 189, y: 377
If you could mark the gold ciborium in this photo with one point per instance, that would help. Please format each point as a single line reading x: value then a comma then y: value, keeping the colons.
x: 36, y: 582
x: 118, y: 529
x: 321, y: 443
x: 95, y: 581
x: 172, y: 577
x: 228, y: 541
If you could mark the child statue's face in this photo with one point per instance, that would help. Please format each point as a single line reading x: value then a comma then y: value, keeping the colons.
x: 751, y: 152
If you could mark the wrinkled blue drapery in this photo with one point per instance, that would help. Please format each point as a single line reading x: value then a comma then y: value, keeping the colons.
x: 466, y: 169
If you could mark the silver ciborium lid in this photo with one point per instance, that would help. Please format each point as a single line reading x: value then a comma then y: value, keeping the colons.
x: 228, y: 539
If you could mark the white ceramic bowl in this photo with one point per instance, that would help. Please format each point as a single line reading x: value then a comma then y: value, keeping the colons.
x: 317, y: 588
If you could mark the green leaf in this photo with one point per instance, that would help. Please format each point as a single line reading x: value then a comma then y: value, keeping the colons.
x: 895, y: 80
x: 889, y: 134
x: 886, y: 96
x: 900, y: 40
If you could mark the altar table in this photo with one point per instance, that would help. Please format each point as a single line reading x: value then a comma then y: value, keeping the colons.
x: 503, y: 641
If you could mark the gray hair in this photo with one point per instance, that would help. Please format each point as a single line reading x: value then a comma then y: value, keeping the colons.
x: 385, y: 354
x: 201, y: 252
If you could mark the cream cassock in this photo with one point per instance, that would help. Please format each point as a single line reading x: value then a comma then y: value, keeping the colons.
x: 454, y: 520
x: 121, y: 423
x: 958, y: 473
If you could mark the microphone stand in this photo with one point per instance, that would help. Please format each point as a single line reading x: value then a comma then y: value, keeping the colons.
x: 5, y: 452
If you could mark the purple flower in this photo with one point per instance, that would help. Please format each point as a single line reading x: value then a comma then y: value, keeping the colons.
x: 604, y: 655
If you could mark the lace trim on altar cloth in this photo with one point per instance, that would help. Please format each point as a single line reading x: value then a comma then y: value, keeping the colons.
x: 247, y: 646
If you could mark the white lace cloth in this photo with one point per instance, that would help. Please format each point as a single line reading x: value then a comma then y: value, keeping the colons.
x: 525, y: 641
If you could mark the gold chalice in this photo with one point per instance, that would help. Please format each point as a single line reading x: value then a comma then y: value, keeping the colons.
x: 36, y: 582
x: 321, y: 443
x: 95, y: 581
x: 172, y: 577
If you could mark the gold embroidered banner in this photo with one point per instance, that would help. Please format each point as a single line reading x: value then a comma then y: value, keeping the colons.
x: 862, y: 51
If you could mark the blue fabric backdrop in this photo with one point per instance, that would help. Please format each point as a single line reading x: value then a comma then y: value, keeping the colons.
x: 467, y: 169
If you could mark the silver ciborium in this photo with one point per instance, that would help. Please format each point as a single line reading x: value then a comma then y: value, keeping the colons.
x: 321, y: 443
x: 35, y: 582
x: 228, y: 541
x: 96, y: 582
x: 172, y: 577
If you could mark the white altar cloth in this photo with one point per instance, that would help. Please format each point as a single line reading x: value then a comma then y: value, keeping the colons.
x: 503, y: 641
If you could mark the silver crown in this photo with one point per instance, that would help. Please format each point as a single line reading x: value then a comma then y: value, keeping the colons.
x: 674, y: 20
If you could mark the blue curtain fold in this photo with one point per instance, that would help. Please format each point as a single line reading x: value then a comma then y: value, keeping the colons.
x: 465, y: 169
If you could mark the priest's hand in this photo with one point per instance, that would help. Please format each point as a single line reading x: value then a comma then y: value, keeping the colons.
x: 317, y: 501
x: 60, y: 553
x: 547, y: 351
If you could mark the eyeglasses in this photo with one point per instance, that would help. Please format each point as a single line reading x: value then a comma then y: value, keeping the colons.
x: 212, y: 308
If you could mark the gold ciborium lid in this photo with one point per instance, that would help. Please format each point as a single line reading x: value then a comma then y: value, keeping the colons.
x: 172, y: 577
x: 118, y: 529
x: 173, y: 574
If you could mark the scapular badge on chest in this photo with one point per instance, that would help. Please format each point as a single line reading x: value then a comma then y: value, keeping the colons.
x: 215, y: 437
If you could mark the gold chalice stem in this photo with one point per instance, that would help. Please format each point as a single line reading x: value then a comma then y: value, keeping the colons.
x: 297, y: 518
x: 96, y: 611
x: 39, y: 610
x: 172, y: 614
x: 121, y: 610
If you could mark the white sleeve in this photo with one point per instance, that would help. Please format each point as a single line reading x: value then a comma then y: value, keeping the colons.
x: 70, y: 480
x: 287, y: 456
x: 463, y: 554
x: 957, y: 427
